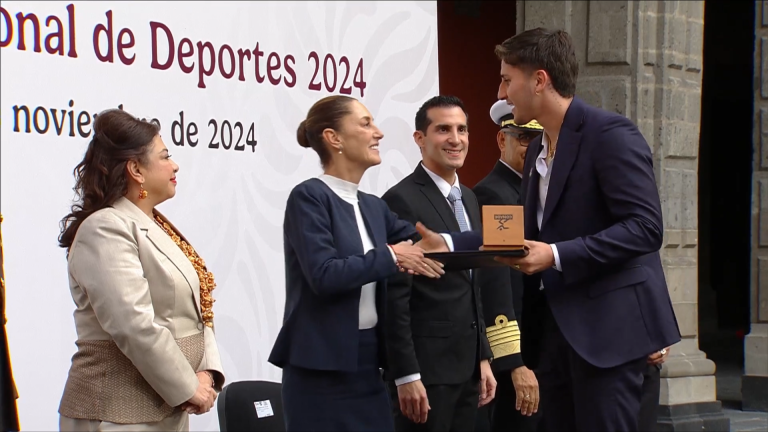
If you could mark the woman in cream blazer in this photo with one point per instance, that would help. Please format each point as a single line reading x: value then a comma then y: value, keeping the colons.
x: 146, y: 351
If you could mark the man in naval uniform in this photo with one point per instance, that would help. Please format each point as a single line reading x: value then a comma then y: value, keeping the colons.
x: 517, y: 393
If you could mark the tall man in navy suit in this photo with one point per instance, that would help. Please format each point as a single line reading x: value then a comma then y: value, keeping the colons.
x: 596, y: 301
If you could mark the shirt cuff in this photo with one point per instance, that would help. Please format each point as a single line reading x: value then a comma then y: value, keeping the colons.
x: 557, y: 257
x: 449, y: 241
x: 407, y: 379
x: 392, y: 252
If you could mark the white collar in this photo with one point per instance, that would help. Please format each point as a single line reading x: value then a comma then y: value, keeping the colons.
x: 513, y: 170
x: 342, y: 188
x: 444, y: 186
x: 544, y: 146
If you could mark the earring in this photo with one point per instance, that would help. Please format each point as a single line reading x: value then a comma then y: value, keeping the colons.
x: 340, y: 148
x: 142, y: 193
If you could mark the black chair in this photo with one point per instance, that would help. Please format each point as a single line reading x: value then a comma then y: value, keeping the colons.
x: 251, y: 406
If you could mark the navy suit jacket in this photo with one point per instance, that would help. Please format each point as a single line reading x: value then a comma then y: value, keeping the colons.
x: 603, y: 213
x: 325, y: 269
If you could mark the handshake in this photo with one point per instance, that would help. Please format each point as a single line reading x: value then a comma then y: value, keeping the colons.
x: 410, y: 256
x: 205, y: 396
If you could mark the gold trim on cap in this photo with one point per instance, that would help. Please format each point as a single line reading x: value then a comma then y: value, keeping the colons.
x: 533, y: 124
x: 504, y: 337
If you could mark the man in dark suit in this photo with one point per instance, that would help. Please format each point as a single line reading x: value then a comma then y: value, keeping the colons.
x: 502, y: 187
x: 596, y: 301
x: 438, y: 354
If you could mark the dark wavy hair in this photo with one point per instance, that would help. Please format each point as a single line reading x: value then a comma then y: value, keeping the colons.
x: 101, y: 177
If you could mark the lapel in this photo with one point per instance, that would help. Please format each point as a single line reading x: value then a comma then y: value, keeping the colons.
x: 378, y: 237
x: 508, y: 176
x: 567, y: 149
x: 530, y: 189
x: 441, y: 206
x: 163, y: 243
x: 436, y: 198
x: 473, y: 209
x: 473, y: 213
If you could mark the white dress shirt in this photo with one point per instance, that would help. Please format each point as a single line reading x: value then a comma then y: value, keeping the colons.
x: 348, y: 192
x: 544, y: 170
x: 445, y: 189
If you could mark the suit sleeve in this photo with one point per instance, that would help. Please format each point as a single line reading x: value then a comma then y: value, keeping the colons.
x: 501, y: 328
x: 486, y: 196
x: 624, y: 167
x: 308, y: 228
x: 400, y: 350
x: 105, y: 263
x: 212, y: 359
x: 467, y: 240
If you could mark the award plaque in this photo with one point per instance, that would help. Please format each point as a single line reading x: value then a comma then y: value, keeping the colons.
x: 503, y: 228
x: 503, y: 236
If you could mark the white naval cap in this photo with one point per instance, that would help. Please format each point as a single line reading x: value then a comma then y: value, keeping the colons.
x: 501, y: 114
x: 501, y: 111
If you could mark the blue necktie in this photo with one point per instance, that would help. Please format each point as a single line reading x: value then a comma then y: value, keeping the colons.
x: 458, y: 208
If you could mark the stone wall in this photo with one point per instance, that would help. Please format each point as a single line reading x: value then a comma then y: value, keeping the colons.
x: 755, y: 381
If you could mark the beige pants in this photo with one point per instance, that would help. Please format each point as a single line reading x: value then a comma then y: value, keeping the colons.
x: 176, y: 422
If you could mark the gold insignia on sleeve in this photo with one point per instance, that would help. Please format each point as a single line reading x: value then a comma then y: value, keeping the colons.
x: 504, y: 337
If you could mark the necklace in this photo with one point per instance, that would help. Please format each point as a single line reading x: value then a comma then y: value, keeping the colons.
x: 552, y: 148
x: 207, y: 283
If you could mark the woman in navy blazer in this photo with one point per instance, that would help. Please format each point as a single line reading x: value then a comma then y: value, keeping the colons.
x: 340, y: 246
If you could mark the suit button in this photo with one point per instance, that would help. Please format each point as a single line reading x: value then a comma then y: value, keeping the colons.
x: 199, y: 326
x: 474, y: 325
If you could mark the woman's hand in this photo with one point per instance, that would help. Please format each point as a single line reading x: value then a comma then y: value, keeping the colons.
x: 205, y: 396
x: 411, y: 258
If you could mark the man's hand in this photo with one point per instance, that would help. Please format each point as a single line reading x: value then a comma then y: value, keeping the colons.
x: 658, y: 357
x: 430, y: 240
x: 527, y: 391
x: 410, y: 258
x: 487, y: 383
x: 413, y: 401
x: 540, y: 257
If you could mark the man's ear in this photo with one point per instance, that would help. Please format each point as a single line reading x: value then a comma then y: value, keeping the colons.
x: 418, y: 138
x: 501, y: 140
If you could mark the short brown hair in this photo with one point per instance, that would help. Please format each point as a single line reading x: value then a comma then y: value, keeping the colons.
x: 551, y: 51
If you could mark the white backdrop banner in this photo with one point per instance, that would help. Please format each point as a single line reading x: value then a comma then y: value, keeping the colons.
x: 229, y: 83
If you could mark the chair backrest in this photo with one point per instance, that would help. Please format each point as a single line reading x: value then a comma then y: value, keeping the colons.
x: 251, y: 406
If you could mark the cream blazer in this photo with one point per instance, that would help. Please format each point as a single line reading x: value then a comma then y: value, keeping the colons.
x: 140, y: 333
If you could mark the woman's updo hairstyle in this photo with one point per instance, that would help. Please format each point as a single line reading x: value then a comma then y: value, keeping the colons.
x: 101, y: 177
x: 326, y: 113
